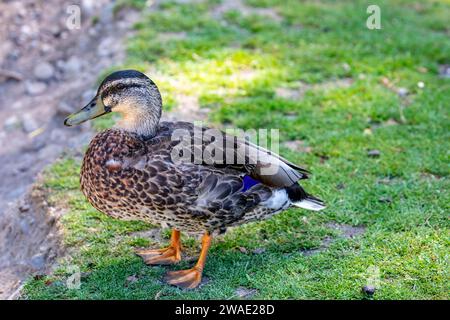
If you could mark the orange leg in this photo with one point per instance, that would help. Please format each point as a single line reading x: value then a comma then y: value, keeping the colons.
x: 191, y: 278
x: 169, y: 255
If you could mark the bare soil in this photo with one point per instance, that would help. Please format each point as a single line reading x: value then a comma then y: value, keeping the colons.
x: 47, y: 71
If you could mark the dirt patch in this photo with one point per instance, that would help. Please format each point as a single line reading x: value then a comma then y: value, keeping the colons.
x: 346, y: 231
x: 298, y: 89
x: 47, y: 70
x: 298, y: 146
x: 245, y: 293
x: 295, y: 93
x: 326, y: 242
x: 152, y: 234
x: 30, y: 240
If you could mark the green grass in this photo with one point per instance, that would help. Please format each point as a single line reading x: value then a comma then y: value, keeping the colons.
x: 234, y: 65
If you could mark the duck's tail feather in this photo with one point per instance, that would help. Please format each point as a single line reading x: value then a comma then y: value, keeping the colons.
x: 310, y: 203
x: 300, y: 198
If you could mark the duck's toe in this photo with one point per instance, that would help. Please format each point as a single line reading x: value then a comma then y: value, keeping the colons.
x: 187, y: 279
x: 148, y: 252
x: 165, y: 256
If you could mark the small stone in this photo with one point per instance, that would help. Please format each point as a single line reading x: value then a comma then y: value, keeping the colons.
x: 24, y: 208
x: 64, y: 35
x: 422, y: 69
x: 385, y: 200
x: 24, y: 226
x: 444, y: 71
x: 17, y: 105
x: 88, y: 6
x: 73, y: 65
x: 259, y: 251
x: 106, y: 47
x: 402, y: 92
x: 242, y: 292
x: 35, y: 87
x: 385, y: 81
x: 54, y: 29
x: 391, y: 122
x: 374, y: 153
x: 43, y: 71
x: 29, y: 123
x: 346, y: 66
x: 11, y: 123
x: 243, y: 250
x: 132, y: 279
x: 92, y: 32
x: 369, y: 290
x: 38, y: 261
x: 26, y: 29
x: 367, y: 132
x: 60, y: 64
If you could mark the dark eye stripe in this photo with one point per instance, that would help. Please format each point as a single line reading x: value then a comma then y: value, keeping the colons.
x: 121, y: 86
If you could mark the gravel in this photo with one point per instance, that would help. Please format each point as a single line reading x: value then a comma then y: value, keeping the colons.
x: 44, y: 71
x: 35, y: 87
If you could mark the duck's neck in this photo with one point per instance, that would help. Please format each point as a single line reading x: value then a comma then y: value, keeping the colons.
x: 140, y: 116
x: 142, y: 124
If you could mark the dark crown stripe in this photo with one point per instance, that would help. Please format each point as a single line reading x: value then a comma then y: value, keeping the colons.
x: 124, y: 74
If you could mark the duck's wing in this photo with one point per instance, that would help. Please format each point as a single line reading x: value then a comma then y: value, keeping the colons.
x: 215, y: 148
x: 223, y: 196
x: 267, y: 166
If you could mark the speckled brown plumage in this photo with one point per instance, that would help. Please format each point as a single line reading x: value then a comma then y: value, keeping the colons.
x: 131, y: 178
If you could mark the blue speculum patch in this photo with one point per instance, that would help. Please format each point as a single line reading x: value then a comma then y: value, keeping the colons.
x: 248, y: 182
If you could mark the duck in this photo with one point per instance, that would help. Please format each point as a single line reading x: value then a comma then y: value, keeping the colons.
x: 179, y: 175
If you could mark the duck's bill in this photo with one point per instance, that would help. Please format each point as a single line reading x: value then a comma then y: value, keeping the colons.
x: 92, y: 110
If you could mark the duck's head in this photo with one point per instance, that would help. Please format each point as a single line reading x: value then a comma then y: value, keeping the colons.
x: 130, y: 93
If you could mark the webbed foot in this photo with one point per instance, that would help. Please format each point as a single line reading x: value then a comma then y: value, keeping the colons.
x: 187, y: 279
x: 169, y: 255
